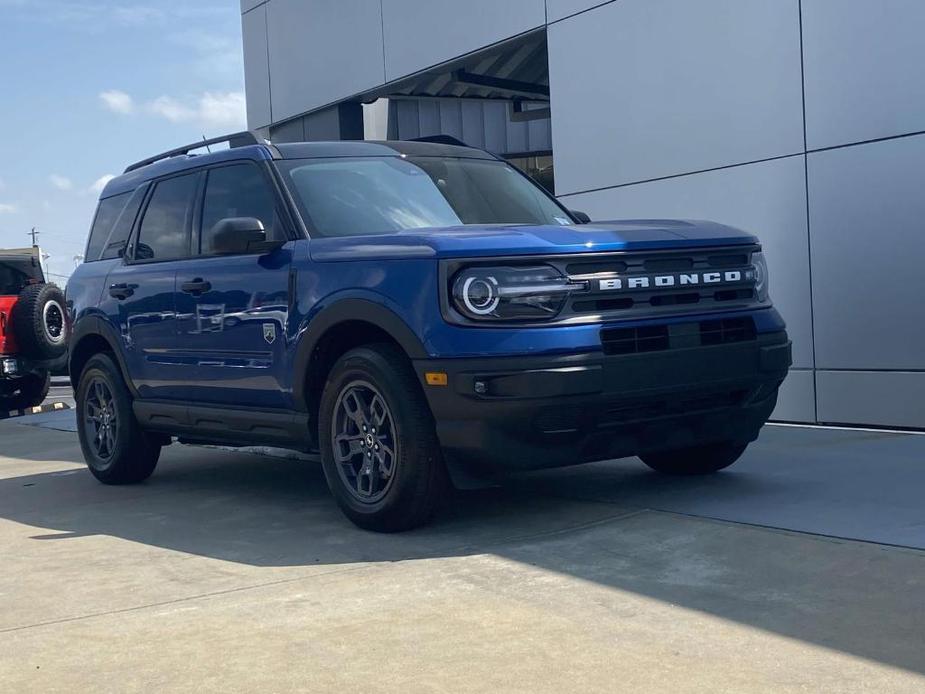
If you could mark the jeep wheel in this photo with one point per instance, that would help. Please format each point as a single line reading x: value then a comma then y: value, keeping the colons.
x: 39, y: 321
x: 117, y: 451
x: 23, y: 393
x: 379, y: 449
x: 698, y: 460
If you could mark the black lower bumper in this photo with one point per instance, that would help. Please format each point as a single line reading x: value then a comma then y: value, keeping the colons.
x: 517, y: 413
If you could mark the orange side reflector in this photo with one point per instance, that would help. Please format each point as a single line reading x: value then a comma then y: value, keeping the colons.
x: 436, y: 378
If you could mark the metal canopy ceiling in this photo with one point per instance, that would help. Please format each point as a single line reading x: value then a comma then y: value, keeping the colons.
x: 514, y: 70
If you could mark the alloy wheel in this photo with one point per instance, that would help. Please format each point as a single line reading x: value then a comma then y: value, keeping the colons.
x: 101, y: 418
x: 365, y: 441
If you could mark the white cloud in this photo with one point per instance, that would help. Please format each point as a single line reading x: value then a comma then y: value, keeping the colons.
x: 117, y: 101
x: 7, y: 208
x: 137, y: 16
x: 211, y: 109
x: 100, y: 183
x: 61, y: 182
x: 228, y: 108
x: 99, y: 15
x: 220, y: 110
x: 171, y: 109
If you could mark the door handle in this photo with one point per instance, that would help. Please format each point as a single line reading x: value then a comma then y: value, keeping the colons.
x: 196, y: 287
x: 122, y: 290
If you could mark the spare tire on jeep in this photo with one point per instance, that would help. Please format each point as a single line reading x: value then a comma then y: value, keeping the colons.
x: 39, y: 322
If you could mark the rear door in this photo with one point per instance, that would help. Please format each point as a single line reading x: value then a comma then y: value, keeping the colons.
x: 233, y: 309
x: 140, y: 293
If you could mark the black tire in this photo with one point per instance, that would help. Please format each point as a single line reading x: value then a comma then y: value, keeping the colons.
x: 39, y: 321
x: 406, y: 492
x: 23, y: 393
x: 698, y: 460
x: 123, y: 453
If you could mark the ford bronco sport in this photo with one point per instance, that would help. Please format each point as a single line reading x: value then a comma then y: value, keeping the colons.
x: 417, y: 313
x: 33, y: 330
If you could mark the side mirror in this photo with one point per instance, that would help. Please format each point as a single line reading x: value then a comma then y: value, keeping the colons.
x: 582, y: 217
x: 236, y: 235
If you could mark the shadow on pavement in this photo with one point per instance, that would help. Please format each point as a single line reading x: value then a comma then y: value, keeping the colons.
x: 589, y: 522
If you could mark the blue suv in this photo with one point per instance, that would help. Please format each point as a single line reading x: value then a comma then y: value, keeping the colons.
x: 419, y: 313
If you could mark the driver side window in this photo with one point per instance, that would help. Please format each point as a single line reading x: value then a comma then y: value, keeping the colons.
x: 238, y: 190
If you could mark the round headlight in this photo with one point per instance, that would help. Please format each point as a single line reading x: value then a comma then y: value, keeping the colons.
x: 510, y: 293
x: 480, y: 294
x: 760, y: 266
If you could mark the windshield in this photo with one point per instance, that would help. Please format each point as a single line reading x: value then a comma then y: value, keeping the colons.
x: 379, y: 195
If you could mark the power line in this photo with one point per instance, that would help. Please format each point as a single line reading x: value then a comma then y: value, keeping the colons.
x: 33, y: 233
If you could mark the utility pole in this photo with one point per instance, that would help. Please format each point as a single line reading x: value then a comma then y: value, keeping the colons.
x: 34, y: 234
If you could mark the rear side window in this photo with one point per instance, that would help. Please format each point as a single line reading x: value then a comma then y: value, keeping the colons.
x: 106, y: 215
x: 164, y: 232
x: 236, y: 191
x: 122, y: 229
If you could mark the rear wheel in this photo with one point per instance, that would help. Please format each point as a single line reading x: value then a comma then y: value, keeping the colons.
x: 379, y: 449
x: 115, y: 448
x: 697, y: 460
x: 23, y: 393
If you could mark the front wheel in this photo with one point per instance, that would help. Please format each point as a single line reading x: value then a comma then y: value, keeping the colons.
x: 379, y: 449
x: 697, y: 460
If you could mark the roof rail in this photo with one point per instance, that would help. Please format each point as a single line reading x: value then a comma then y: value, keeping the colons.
x: 440, y: 140
x: 241, y: 139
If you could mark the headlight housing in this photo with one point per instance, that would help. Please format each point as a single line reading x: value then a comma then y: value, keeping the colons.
x: 761, y: 276
x: 511, y: 293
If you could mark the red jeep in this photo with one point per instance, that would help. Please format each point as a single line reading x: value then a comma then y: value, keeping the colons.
x: 33, y: 329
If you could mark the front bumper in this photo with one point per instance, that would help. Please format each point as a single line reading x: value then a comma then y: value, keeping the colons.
x: 517, y: 413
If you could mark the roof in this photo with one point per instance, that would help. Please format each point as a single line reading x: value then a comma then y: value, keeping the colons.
x: 154, y: 167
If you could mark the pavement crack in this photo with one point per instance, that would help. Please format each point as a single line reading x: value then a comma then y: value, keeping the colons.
x: 176, y: 601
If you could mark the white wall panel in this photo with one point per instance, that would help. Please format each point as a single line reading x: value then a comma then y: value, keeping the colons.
x: 863, y: 66
x: 796, y: 400
x: 247, y: 5
x: 767, y: 199
x: 322, y: 51
x: 867, y: 222
x: 642, y: 90
x: 256, y: 68
x: 420, y: 34
x: 557, y: 9
x: 884, y: 398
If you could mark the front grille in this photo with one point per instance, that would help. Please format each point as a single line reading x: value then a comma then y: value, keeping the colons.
x: 659, y: 338
x: 681, y: 277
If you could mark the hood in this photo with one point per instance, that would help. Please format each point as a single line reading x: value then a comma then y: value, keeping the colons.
x: 477, y: 241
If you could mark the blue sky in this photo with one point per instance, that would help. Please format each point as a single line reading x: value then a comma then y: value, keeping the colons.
x: 92, y: 85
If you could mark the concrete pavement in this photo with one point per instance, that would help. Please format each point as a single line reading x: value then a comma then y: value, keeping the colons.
x: 235, y: 572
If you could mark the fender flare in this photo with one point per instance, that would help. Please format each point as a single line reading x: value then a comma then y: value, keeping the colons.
x: 98, y: 326
x: 346, y: 311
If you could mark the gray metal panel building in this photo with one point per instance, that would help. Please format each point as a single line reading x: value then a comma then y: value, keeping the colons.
x: 800, y: 120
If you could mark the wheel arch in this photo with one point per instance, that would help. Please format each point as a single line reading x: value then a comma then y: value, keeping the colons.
x: 343, y: 325
x: 94, y: 335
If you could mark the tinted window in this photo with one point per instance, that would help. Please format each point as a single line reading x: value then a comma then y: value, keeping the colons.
x: 106, y: 215
x: 16, y: 273
x: 355, y: 196
x: 164, y: 231
x: 236, y: 191
x: 118, y: 237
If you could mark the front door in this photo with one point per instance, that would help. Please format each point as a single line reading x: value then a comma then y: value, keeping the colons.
x: 233, y: 310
